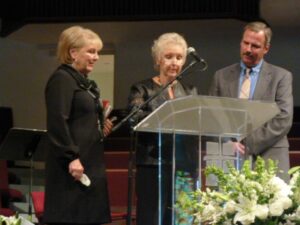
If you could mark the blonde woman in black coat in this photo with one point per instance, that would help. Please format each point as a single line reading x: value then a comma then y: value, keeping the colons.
x: 76, y: 129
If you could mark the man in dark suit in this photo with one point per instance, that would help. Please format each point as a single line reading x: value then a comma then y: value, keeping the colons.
x: 268, y: 83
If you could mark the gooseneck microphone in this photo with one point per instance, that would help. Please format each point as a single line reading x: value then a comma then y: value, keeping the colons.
x: 192, y: 52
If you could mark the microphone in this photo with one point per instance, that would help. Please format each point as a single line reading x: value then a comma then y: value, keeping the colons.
x: 191, y: 51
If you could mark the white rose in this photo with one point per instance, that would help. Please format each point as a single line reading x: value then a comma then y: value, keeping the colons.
x: 286, y: 202
x: 277, y: 182
x: 230, y: 207
x: 280, y: 187
x: 276, y: 208
x: 262, y: 211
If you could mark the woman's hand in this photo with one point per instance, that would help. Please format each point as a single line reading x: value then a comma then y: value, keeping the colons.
x: 108, y: 125
x: 76, y: 169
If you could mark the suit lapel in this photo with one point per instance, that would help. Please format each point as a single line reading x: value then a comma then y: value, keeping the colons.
x: 262, y: 82
x: 234, y: 81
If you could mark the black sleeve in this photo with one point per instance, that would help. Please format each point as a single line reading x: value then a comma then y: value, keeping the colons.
x: 137, y: 96
x: 59, y: 95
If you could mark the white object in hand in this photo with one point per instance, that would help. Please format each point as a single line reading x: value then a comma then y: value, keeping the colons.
x: 85, y: 180
x: 107, y: 111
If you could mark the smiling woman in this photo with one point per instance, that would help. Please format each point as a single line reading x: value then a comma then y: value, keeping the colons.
x: 76, y: 127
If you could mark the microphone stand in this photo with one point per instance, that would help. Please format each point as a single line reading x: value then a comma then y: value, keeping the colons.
x: 29, y: 151
x: 131, y: 114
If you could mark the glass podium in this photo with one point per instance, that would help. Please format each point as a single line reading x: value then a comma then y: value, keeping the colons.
x: 193, y: 132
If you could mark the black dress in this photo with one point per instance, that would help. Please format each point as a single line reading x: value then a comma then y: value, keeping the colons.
x: 147, y: 154
x: 72, y: 127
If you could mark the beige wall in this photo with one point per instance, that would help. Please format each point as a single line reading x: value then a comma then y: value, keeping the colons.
x: 23, y: 73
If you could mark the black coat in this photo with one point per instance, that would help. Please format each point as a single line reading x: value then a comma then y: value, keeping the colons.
x: 73, y: 132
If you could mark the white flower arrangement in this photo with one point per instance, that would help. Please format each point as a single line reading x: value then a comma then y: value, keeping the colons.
x: 11, y: 220
x: 245, y: 197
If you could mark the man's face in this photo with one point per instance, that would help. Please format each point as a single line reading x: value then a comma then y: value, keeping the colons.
x: 253, y: 47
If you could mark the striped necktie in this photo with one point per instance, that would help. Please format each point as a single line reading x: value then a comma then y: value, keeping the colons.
x: 245, y: 88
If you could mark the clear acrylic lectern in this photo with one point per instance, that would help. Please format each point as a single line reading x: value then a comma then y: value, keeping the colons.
x: 194, y: 132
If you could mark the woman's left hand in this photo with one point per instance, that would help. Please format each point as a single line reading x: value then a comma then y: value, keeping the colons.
x: 76, y: 169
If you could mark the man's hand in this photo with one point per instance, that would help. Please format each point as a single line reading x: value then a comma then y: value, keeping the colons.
x: 239, y: 147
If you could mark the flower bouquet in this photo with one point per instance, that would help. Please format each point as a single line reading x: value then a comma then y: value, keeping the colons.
x: 11, y: 220
x: 244, y: 197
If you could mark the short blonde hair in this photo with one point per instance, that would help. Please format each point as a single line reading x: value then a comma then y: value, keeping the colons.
x: 164, y: 40
x: 75, y: 37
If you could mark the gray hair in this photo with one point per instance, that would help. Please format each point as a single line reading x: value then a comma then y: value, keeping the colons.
x: 164, y: 40
x: 260, y: 26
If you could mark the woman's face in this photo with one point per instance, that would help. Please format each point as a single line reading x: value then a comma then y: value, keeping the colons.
x: 171, y: 60
x: 85, y: 58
